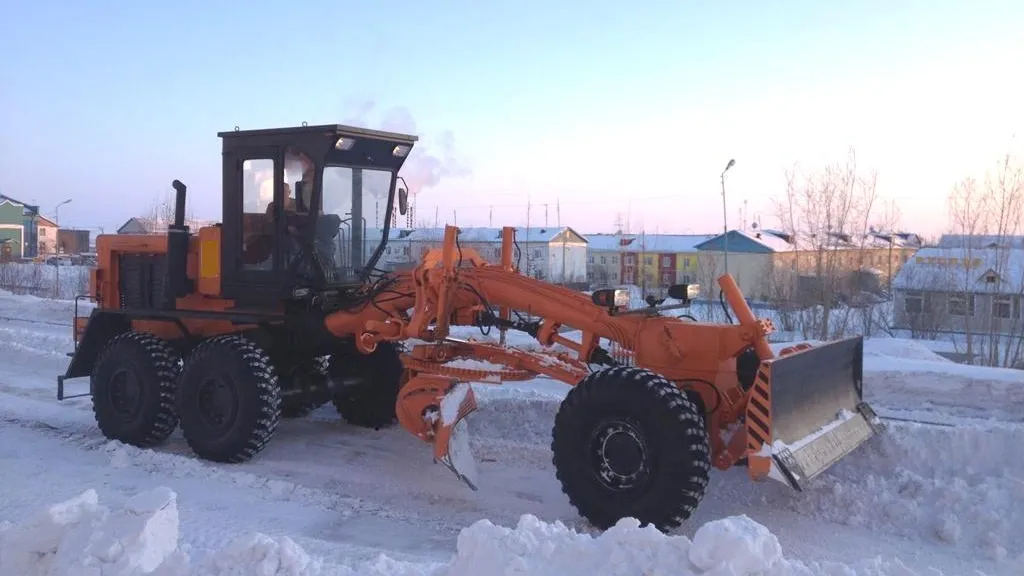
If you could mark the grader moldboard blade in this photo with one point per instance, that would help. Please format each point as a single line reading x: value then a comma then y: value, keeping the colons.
x: 806, y: 410
x: 451, y: 443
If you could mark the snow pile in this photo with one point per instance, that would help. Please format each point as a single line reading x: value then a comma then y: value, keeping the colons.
x: 952, y: 486
x: 81, y: 537
x: 733, y: 546
x: 261, y: 555
x: 901, y: 348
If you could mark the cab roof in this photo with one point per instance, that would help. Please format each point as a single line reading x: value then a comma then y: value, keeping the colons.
x: 338, y: 130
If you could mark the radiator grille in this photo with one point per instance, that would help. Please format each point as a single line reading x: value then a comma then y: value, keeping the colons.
x: 141, y: 280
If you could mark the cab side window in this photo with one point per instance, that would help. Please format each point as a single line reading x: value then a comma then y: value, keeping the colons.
x: 257, y: 224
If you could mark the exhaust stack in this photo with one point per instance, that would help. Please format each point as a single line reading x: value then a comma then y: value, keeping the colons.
x: 177, y: 283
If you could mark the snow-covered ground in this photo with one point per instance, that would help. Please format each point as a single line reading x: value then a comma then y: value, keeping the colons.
x: 942, y: 489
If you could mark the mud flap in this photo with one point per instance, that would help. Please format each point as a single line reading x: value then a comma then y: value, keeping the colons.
x: 806, y: 412
x: 451, y: 439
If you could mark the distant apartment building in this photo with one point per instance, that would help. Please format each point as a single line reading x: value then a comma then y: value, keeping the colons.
x: 964, y: 283
x: 554, y: 254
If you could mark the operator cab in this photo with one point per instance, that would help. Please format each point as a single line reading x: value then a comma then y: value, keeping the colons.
x: 306, y: 209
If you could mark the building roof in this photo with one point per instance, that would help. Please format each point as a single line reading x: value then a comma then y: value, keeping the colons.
x: 27, y: 209
x: 480, y: 234
x: 141, y: 225
x: 774, y: 240
x: 670, y: 243
x: 604, y: 242
x: 980, y: 241
x: 966, y: 269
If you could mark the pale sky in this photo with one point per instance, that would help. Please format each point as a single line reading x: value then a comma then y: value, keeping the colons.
x: 600, y: 107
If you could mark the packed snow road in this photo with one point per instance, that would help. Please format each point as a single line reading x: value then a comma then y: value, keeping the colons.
x: 948, y: 494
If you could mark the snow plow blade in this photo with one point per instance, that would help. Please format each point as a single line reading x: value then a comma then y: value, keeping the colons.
x: 434, y: 409
x: 806, y: 412
x: 451, y: 440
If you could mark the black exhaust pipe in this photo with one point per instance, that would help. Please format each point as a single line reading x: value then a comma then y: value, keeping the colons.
x: 177, y: 284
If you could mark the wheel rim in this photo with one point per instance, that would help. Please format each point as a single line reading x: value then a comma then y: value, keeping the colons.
x: 125, y: 394
x: 619, y: 455
x: 217, y: 402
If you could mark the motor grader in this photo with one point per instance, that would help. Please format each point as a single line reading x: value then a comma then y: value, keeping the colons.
x: 281, y: 308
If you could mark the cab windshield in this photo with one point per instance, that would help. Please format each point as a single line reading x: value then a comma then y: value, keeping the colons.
x: 352, y: 225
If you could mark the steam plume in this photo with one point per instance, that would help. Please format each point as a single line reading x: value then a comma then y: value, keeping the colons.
x: 427, y: 165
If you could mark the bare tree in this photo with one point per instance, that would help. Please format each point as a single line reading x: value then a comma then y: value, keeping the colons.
x: 161, y: 214
x: 828, y: 217
x: 987, y: 283
x: 1005, y: 197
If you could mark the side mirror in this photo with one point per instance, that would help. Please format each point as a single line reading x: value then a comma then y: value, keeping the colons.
x: 610, y: 298
x: 684, y: 292
x: 403, y: 201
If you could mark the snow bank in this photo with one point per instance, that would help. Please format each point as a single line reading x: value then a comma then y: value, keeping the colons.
x: 952, y: 486
x: 902, y: 348
x: 82, y: 537
x: 79, y: 536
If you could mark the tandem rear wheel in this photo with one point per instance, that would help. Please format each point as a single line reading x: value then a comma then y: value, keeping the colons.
x: 628, y: 443
x: 133, y: 383
x: 229, y: 399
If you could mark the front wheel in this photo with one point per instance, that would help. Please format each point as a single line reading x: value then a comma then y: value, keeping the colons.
x: 367, y: 385
x: 629, y: 443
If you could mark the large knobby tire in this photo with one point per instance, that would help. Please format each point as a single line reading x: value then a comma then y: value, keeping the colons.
x: 133, y: 384
x: 629, y: 443
x: 297, y: 379
x: 229, y: 399
x: 370, y: 402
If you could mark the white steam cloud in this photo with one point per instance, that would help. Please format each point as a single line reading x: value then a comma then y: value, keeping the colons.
x: 427, y: 165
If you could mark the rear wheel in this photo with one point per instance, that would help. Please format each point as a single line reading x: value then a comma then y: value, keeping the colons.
x: 133, y: 384
x: 229, y: 399
x: 628, y: 443
x: 366, y: 385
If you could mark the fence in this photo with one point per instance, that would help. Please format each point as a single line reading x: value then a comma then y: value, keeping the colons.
x: 44, y: 280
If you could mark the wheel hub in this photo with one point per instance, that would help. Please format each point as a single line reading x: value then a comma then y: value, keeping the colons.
x: 217, y: 402
x: 619, y: 455
x: 125, y: 394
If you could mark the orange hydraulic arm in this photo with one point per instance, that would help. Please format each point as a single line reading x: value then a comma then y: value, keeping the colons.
x: 457, y: 286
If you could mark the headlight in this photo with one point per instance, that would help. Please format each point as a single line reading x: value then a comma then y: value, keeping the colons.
x: 692, y: 291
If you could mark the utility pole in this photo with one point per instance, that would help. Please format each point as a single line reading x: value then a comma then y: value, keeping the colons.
x: 725, y: 216
x: 56, y: 247
x: 527, y: 235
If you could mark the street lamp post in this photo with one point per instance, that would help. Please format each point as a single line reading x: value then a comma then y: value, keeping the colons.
x: 725, y: 217
x: 56, y: 247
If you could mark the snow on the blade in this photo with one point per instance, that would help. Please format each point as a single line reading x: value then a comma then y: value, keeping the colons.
x: 460, y: 456
x: 452, y: 402
x: 841, y: 417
